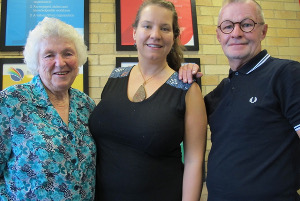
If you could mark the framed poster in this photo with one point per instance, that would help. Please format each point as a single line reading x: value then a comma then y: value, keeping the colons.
x: 14, y: 71
x: 130, y: 61
x: 19, y: 17
x: 125, y: 16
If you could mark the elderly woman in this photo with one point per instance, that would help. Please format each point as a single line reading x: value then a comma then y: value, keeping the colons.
x: 46, y: 150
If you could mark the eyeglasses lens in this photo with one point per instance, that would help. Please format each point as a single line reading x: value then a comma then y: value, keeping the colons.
x: 246, y: 25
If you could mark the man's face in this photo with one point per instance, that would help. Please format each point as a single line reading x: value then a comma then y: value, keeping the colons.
x: 238, y: 46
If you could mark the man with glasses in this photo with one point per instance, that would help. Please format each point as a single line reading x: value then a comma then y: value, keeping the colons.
x: 254, y: 114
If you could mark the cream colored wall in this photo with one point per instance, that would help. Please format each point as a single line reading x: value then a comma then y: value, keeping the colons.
x: 283, y: 40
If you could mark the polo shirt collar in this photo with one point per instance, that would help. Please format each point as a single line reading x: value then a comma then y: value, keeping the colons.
x: 254, y: 63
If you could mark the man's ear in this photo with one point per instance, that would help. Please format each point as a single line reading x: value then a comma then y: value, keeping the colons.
x: 218, y: 35
x: 264, y: 31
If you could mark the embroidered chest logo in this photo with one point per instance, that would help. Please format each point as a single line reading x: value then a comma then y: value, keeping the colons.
x: 253, y: 99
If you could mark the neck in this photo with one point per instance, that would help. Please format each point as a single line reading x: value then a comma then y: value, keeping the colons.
x: 150, y: 69
x: 61, y: 102
x: 58, y: 97
x: 235, y: 65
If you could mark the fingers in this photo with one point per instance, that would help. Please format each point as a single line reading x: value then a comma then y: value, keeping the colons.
x: 183, y: 71
x: 187, y: 72
x: 199, y: 74
x: 180, y: 73
x: 192, y: 71
x: 195, y: 68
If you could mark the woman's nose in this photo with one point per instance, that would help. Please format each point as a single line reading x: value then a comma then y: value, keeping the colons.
x: 59, y: 60
x: 155, y: 33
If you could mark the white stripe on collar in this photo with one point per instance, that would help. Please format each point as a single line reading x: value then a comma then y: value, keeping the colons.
x: 259, y: 63
x: 297, y: 127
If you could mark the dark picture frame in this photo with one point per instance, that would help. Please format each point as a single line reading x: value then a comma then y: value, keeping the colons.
x: 130, y: 61
x: 125, y: 14
x: 19, y: 17
x: 14, y: 71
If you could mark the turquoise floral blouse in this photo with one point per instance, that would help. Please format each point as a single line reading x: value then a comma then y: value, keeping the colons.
x: 41, y: 158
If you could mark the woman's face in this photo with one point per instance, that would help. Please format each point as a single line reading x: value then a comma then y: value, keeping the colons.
x: 154, y: 34
x: 58, y: 64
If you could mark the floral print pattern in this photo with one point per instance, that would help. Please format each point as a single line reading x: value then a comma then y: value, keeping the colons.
x: 42, y: 158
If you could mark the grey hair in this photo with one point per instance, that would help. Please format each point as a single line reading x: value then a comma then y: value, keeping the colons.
x: 51, y: 27
x: 259, y: 8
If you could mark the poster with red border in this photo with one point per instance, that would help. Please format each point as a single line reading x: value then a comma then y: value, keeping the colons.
x: 125, y: 15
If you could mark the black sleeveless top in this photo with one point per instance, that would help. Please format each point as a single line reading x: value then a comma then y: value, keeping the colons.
x: 138, y: 144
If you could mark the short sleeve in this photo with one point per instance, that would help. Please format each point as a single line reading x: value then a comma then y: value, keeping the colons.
x: 288, y: 87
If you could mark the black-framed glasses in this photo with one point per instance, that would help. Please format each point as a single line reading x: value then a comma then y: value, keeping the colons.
x: 246, y: 25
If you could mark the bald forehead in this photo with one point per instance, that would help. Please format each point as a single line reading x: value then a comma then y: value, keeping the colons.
x: 225, y: 2
x: 238, y: 10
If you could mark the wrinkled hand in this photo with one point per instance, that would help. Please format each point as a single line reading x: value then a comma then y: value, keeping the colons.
x: 189, y: 72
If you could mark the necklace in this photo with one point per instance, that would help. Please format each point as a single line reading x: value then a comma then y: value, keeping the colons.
x: 140, y: 94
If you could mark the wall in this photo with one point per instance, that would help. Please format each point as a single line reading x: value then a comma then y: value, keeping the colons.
x: 283, y: 40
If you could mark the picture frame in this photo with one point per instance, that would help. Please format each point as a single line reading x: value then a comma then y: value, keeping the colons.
x: 19, y: 17
x: 131, y: 61
x: 126, y: 12
x: 14, y: 71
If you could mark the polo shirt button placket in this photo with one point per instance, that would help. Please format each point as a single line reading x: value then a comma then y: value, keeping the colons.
x: 233, y: 87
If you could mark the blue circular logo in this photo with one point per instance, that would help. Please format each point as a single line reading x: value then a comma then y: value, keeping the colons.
x: 16, y: 74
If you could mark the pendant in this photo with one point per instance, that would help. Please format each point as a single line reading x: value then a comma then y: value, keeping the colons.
x: 140, y: 94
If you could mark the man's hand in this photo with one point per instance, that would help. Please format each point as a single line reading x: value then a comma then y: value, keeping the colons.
x: 189, y: 72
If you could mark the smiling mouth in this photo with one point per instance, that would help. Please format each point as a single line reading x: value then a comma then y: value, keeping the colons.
x: 61, y: 73
x: 154, y: 46
x: 237, y: 44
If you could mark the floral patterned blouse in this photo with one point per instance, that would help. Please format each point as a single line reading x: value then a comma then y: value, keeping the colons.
x: 41, y: 158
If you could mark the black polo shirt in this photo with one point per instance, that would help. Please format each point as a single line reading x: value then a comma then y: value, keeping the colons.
x: 253, y: 116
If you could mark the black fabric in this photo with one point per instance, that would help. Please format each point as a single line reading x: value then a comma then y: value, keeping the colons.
x: 255, y: 149
x: 138, y: 144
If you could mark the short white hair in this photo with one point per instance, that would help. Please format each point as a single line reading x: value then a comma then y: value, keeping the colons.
x: 47, y: 28
x: 259, y: 8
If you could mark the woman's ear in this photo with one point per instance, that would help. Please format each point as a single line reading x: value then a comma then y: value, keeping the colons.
x: 134, y: 34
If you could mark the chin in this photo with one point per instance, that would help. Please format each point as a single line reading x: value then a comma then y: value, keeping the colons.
x: 236, y: 54
x: 155, y: 57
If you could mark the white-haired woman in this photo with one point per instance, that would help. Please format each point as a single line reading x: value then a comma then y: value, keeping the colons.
x: 46, y: 150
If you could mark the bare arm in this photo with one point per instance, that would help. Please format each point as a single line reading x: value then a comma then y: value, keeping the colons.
x: 298, y: 132
x: 188, y: 71
x: 194, y: 144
